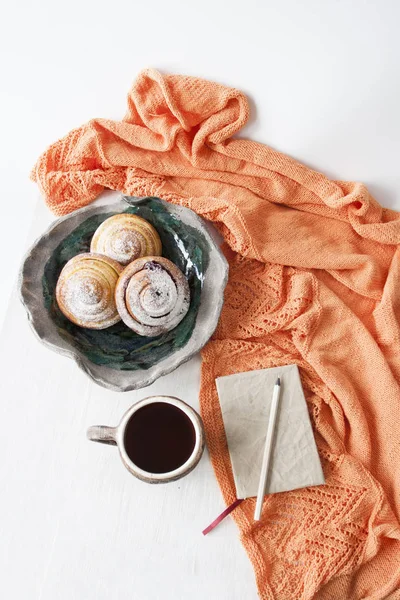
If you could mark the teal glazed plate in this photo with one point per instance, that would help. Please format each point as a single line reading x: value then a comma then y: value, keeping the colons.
x: 118, y: 358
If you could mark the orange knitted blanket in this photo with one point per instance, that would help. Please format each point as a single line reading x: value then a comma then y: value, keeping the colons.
x: 314, y: 280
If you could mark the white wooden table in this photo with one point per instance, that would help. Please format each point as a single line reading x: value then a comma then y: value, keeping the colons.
x: 73, y: 516
x: 323, y: 82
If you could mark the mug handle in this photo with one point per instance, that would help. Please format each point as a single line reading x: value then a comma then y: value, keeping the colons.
x: 102, y: 434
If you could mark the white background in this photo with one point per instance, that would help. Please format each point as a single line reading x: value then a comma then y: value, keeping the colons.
x: 323, y: 81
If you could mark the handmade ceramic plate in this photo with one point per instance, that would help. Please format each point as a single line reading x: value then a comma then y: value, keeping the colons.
x: 117, y: 357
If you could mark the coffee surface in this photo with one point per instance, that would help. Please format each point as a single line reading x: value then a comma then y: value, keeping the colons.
x: 159, y: 437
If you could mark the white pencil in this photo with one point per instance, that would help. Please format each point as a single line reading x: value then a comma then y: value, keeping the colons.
x: 267, y: 449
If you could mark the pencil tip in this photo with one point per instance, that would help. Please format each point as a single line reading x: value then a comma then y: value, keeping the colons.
x: 278, y: 381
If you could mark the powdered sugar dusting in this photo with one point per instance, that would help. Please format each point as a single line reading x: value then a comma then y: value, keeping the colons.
x: 152, y: 296
x: 85, y: 292
x: 126, y: 237
x: 127, y: 242
x: 152, y: 293
x: 84, y: 296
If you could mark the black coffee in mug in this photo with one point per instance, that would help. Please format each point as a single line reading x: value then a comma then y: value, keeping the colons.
x: 159, y: 437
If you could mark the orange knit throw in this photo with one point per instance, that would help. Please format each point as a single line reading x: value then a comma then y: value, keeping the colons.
x: 314, y: 280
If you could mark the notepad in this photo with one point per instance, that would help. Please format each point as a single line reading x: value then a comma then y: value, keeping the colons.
x: 245, y: 400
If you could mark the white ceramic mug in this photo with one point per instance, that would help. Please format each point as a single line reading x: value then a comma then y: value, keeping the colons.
x: 116, y: 436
